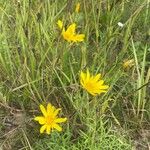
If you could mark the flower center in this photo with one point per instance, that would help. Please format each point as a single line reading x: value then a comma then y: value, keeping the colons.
x: 49, y: 120
x: 89, y: 85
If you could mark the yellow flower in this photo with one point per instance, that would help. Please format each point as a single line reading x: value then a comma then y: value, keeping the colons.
x: 93, y: 84
x: 128, y: 63
x: 49, y: 120
x: 70, y: 34
x: 60, y: 24
x: 77, y: 7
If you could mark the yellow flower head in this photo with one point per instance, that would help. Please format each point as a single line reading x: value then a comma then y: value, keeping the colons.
x: 49, y: 120
x: 93, y: 84
x: 77, y: 9
x: 127, y: 64
x: 70, y: 34
x: 60, y: 24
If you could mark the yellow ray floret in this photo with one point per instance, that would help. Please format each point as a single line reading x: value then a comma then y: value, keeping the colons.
x: 60, y: 24
x: 49, y: 120
x: 77, y: 9
x: 70, y: 33
x: 92, y: 84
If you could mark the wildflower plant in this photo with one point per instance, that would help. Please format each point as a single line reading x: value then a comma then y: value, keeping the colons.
x: 93, y: 84
x: 49, y: 120
x: 70, y: 33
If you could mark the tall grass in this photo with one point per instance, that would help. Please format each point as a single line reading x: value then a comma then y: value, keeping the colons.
x: 38, y: 66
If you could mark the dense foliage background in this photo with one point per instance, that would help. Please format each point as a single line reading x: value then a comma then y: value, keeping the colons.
x: 38, y: 66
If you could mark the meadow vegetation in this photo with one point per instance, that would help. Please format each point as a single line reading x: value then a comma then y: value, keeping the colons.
x: 42, y: 63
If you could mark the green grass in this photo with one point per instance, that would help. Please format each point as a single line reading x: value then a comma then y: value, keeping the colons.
x: 38, y: 66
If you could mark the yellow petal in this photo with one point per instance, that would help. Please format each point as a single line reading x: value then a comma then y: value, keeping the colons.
x: 57, y: 127
x: 92, y: 93
x: 48, y: 129
x: 97, y: 77
x: 60, y: 24
x: 78, y: 38
x: 60, y: 120
x: 43, y: 128
x: 100, y: 82
x: 71, y: 29
x: 82, y: 75
x: 50, y: 109
x: 43, y: 110
x: 67, y: 36
x: 104, y: 87
x: 56, y: 112
x: 87, y: 75
x: 98, y: 90
x: 102, y: 91
x: 82, y: 78
x: 40, y: 119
